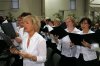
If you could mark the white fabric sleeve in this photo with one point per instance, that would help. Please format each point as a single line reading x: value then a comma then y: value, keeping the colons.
x: 59, y: 45
x: 95, y: 46
x: 42, y: 51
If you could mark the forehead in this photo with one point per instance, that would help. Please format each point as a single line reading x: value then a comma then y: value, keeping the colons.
x: 27, y: 19
x: 19, y: 18
x: 68, y: 19
x: 84, y: 21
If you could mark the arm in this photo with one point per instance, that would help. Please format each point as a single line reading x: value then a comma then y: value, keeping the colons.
x: 93, y: 46
x: 42, y: 51
x: 86, y: 44
x: 18, y: 39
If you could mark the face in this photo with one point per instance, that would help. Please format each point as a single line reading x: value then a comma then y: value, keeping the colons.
x: 56, y: 23
x: 50, y: 23
x: 28, y: 26
x: 69, y: 22
x: 20, y: 22
x: 96, y: 25
x: 85, y: 25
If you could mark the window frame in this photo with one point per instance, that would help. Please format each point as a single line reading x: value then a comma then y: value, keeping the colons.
x: 14, y: 4
x: 72, y: 4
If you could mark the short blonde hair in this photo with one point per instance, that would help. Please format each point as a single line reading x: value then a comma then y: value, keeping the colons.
x: 35, y: 20
x: 72, y: 19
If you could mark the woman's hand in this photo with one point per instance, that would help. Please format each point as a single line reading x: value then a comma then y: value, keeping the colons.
x: 72, y: 44
x: 26, y: 55
x: 14, y: 51
x: 86, y: 44
x: 56, y: 38
x: 18, y: 39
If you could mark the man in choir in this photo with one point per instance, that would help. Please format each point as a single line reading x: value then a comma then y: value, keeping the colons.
x: 18, y: 40
x: 20, y: 28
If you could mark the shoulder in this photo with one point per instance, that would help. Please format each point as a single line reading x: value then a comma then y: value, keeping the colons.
x: 80, y: 32
x: 38, y: 36
x: 90, y: 31
x: 76, y: 30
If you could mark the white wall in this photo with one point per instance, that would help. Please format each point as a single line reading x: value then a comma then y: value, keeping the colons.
x: 4, y: 6
x: 47, y: 8
x: 53, y: 6
x: 33, y: 6
x: 95, y: 1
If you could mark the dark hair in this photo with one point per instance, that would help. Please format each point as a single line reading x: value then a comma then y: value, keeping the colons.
x: 25, y: 14
x: 1, y: 19
x: 88, y: 21
x: 48, y: 20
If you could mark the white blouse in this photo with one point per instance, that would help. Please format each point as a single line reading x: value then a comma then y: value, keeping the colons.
x: 37, y: 47
x: 88, y: 54
x: 64, y: 45
x: 21, y: 32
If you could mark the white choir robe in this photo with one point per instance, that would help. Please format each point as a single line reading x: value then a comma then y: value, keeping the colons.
x: 37, y: 47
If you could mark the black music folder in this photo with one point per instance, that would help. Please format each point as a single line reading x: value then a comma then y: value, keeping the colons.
x: 5, y: 42
x: 59, y: 31
x: 8, y: 30
x: 45, y: 29
x: 78, y: 38
x: 5, y: 45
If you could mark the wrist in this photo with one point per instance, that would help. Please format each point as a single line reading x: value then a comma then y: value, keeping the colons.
x: 33, y: 58
x: 88, y: 45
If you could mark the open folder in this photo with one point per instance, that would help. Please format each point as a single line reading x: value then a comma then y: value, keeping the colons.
x: 59, y: 31
x: 6, y: 42
x: 8, y: 30
x: 77, y: 38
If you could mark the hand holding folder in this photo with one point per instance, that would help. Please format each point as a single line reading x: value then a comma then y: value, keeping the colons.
x: 59, y: 31
x: 6, y: 42
x: 77, y: 38
x: 86, y: 44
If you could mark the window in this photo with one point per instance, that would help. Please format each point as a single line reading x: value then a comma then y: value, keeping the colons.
x: 15, y: 4
x: 72, y: 4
